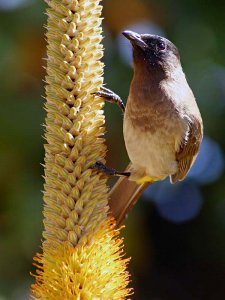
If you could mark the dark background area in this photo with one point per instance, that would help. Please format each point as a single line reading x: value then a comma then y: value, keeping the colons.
x: 176, y: 234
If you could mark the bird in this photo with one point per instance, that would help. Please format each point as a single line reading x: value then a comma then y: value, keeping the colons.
x: 162, y: 124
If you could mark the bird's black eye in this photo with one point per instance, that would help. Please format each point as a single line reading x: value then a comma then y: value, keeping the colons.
x: 161, y: 46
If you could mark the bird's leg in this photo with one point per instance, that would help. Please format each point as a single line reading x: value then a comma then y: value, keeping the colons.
x: 110, y: 97
x: 108, y: 171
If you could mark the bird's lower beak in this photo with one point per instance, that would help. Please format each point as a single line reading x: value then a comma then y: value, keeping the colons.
x: 135, y: 39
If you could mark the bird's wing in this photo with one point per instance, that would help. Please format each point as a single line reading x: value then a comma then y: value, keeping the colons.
x: 188, y: 150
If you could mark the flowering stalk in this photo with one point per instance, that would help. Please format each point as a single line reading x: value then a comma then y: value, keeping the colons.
x: 82, y: 257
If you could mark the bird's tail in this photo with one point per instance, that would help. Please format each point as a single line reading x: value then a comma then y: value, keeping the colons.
x: 124, y: 195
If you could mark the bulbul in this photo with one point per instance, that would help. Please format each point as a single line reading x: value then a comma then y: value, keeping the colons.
x: 162, y: 124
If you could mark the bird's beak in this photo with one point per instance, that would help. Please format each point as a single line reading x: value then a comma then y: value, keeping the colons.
x: 135, y: 39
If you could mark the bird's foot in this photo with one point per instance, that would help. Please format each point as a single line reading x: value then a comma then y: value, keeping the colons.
x: 147, y: 179
x: 107, y: 170
x: 111, y: 97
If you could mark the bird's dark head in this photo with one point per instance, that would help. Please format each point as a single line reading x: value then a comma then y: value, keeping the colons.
x: 154, y: 51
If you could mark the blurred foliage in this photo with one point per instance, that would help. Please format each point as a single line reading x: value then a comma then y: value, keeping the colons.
x: 170, y: 260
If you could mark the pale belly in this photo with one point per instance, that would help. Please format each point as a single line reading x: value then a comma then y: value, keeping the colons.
x: 152, y: 154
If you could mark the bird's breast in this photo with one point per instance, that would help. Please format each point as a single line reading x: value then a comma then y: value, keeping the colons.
x: 152, y: 114
x: 152, y: 135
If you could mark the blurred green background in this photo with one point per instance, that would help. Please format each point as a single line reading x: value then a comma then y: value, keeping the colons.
x: 175, y: 234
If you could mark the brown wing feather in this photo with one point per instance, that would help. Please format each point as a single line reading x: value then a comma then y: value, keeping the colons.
x: 188, y: 150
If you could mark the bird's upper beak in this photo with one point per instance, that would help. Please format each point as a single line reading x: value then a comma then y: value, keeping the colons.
x: 135, y: 39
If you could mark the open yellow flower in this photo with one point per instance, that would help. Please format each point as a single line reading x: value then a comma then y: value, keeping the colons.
x: 93, y: 270
x: 82, y: 257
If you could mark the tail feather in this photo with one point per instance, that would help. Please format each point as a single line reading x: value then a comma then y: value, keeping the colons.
x: 123, y: 196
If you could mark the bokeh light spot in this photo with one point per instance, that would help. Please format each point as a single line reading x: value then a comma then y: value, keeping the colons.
x: 209, y: 164
x: 178, y: 203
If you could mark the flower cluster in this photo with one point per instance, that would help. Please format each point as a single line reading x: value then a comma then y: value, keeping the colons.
x: 82, y: 255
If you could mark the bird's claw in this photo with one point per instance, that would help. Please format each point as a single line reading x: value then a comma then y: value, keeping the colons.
x: 110, y: 96
x: 107, y: 170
